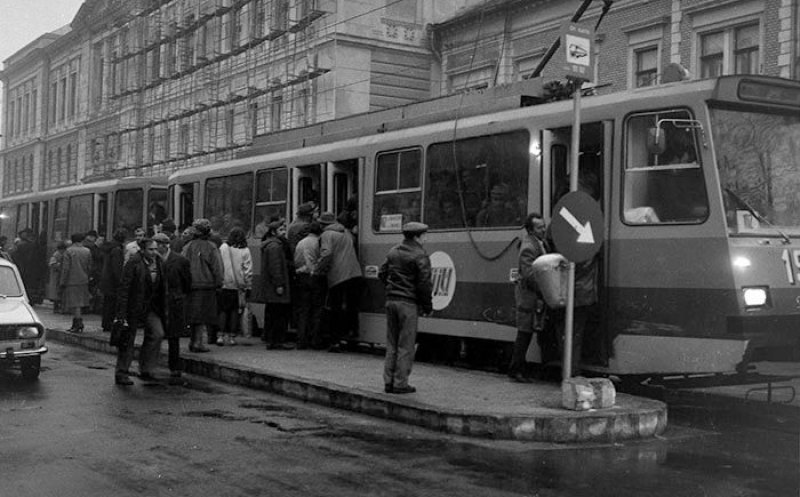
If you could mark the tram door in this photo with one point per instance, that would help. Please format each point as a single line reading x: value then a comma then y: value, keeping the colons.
x: 342, y: 185
x: 181, y: 203
x: 307, y: 185
x: 102, y: 215
x: 594, y: 167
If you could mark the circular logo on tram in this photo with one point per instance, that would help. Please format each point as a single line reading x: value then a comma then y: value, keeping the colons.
x: 443, y: 274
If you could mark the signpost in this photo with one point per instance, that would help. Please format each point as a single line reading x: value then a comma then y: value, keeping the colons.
x: 578, y: 43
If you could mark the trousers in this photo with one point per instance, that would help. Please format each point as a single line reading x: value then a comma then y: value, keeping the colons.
x: 401, y: 336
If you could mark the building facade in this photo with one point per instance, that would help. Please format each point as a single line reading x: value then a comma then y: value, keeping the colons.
x: 146, y: 87
x: 496, y: 42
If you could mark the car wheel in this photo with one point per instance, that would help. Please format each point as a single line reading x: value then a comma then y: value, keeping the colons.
x: 30, y: 367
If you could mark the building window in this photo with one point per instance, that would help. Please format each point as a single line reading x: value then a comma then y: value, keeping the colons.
x: 257, y: 19
x: 26, y: 114
x: 277, y: 110
x: 34, y: 103
x: 229, y: 124
x: 10, y: 118
x: 734, y: 50
x: 746, y: 49
x: 73, y: 94
x: 646, y: 72
x: 253, y: 115
x: 712, y: 54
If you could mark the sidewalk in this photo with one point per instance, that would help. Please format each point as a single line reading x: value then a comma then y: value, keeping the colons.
x: 457, y: 401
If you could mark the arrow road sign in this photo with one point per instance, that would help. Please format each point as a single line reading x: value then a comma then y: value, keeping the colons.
x: 577, y: 226
x: 584, y: 231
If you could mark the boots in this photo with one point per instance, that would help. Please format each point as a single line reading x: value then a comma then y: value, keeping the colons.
x: 77, y: 325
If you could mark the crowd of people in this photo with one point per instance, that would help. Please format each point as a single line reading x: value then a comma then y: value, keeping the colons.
x: 193, y: 283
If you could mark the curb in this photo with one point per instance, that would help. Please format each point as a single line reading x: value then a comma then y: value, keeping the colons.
x: 608, y: 426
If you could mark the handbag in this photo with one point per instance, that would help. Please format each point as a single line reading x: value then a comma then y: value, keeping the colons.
x: 119, y: 331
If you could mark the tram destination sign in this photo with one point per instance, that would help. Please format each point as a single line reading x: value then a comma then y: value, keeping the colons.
x: 577, y: 226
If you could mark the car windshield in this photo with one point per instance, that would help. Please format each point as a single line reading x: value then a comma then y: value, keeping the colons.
x: 758, y: 157
x: 9, y: 284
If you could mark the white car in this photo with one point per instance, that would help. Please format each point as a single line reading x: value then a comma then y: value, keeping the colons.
x: 22, y: 334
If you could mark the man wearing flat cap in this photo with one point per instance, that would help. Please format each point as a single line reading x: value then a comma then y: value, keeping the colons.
x: 406, y: 274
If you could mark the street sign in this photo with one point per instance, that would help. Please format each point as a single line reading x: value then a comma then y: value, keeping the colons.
x: 577, y: 226
x: 577, y: 41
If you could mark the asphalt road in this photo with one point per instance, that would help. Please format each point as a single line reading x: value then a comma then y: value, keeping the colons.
x: 74, y: 433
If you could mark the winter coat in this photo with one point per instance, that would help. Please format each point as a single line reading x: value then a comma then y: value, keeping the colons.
x: 238, y: 267
x: 274, y: 271
x: 139, y: 294
x: 76, y: 266
x: 296, y: 231
x: 406, y: 273
x: 111, y: 276
x: 205, y: 262
x: 527, y: 292
x: 337, y: 255
x: 178, y: 274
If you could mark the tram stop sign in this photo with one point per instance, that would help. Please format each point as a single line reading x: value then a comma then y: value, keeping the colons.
x: 577, y: 226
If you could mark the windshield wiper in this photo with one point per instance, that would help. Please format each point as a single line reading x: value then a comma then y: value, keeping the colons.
x: 761, y: 219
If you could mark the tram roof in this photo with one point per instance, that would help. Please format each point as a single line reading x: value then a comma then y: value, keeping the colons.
x: 89, y: 187
x: 310, y: 140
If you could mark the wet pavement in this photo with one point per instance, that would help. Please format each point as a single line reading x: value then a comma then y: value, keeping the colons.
x: 450, y: 400
x: 89, y: 438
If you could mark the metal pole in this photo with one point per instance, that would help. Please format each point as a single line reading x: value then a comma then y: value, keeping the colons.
x: 566, y: 369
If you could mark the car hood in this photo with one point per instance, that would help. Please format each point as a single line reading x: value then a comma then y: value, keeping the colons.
x: 16, y: 311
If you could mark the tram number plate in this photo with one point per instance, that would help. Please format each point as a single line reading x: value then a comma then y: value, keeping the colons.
x: 791, y: 263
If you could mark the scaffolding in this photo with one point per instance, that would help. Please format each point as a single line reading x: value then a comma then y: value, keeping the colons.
x: 201, y: 75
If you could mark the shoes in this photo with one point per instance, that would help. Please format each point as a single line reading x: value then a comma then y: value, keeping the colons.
x: 405, y: 389
x: 220, y: 341
x: 335, y: 348
x: 388, y: 388
x: 147, y: 377
x: 194, y: 348
x: 123, y: 380
x: 519, y: 378
x: 175, y: 378
x: 232, y: 341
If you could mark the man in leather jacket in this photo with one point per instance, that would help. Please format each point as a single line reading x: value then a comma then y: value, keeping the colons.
x: 141, y: 303
x: 406, y: 273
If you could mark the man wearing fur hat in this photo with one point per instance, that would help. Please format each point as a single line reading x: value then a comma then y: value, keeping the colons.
x: 406, y: 273
x: 205, y: 263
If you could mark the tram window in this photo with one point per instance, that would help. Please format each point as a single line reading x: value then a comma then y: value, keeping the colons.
x: 22, y: 217
x: 663, y: 181
x: 80, y: 214
x: 398, y: 195
x: 157, y: 208
x: 488, y: 175
x: 272, y: 192
x: 229, y: 202
x: 128, y: 208
x: 8, y: 223
x: 60, y: 220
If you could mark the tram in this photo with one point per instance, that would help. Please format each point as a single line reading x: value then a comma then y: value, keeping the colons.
x: 103, y: 206
x: 698, y: 183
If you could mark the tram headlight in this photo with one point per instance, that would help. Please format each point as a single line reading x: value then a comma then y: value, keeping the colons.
x: 755, y: 297
x: 742, y: 262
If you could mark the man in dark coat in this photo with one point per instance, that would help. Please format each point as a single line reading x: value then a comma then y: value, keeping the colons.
x: 179, y: 284
x: 26, y: 256
x: 111, y: 276
x: 141, y: 303
x: 90, y: 242
x: 530, y: 304
x: 76, y: 267
x: 406, y: 273
x: 275, y: 282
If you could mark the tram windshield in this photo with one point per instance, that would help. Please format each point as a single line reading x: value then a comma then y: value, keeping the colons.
x: 758, y: 157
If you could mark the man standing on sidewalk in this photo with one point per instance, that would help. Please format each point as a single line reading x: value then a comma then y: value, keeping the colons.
x: 406, y: 273
x: 179, y: 284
